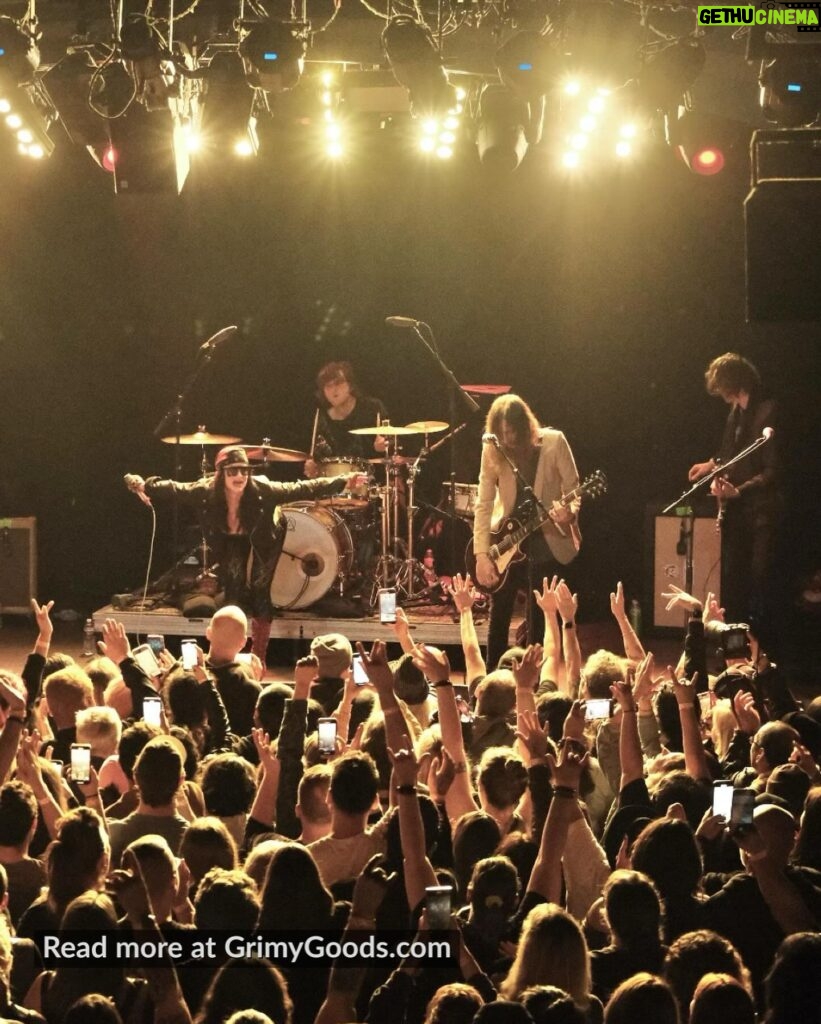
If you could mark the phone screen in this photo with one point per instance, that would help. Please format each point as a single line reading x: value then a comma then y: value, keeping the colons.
x: 737, y: 644
x: 151, y: 710
x: 188, y: 650
x: 326, y: 729
x: 80, y: 762
x: 360, y: 676
x: 743, y: 807
x: 387, y: 606
x: 598, y: 708
x: 723, y: 799
x: 147, y: 660
x: 243, y: 658
x: 438, y: 905
x: 156, y: 641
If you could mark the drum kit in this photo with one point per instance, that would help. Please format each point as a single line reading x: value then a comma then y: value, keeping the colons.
x: 362, y: 540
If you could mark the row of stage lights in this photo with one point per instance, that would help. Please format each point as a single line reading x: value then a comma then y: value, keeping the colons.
x: 238, y: 84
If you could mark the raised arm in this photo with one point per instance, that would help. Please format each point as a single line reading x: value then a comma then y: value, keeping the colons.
x: 419, y: 872
x: 546, y: 600
x: 695, y: 760
x: 290, y: 745
x: 463, y: 597
x: 633, y: 649
x: 397, y: 733
x: 35, y: 663
x: 402, y: 630
x: 568, y: 605
x: 11, y: 688
x: 264, y: 806
x: 632, y: 763
x: 434, y: 663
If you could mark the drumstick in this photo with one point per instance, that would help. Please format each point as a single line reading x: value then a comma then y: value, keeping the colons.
x: 313, y: 436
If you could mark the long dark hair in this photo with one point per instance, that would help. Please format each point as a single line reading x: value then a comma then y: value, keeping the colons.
x: 293, y: 894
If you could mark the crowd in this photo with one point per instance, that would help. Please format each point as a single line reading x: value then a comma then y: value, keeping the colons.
x: 559, y: 806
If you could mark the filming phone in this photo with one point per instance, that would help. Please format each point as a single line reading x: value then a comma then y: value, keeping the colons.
x: 594, y: 710
x: 147, y: 660
x: 188, y: 652
x: 326, y: 735
x: 80, y: 762
x: 360, y: 676
x: 156, y: 641
x: 438, y: 906
x: 723, y: 798
x: 387, y: 605
x: 741, y: 813
x: 152, y: 708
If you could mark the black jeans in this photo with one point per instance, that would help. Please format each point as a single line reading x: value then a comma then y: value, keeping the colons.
x: 525, y: 575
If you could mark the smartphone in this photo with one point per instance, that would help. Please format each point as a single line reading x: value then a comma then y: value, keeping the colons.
x: 723, y: 798
x: 156, y: 641
x: 736, y: 644
x: 188, y: 652
x: 360, y: 676
x: 438, y: 906
x: 243, y: 658
x: 741, y: 814
x: 151, y: 710
x: 80, y: 762
x: 706, y: 702
x: 387, y: 605
x: 461, y: 692
x: 147, y: 660
x: 601, y: 707
x: 326, y: 730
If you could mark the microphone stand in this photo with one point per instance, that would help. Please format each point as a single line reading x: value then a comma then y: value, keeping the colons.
x: 682, y: 501
x: 174, y: 415
x: 454, y: 389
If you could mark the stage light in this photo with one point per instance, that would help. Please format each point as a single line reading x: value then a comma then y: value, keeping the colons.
x: 427, y: 143
x: 669, y: 73
x: 527, y: 65
x: 147, y: 60
x: 274, y: 56
x: 416, y: 62
x: 588, y: 123
x: 705, y: 142
x: 335, y: 150
x: 571, y: 159
x: 579, y: 141
x: 444, y: 152
x: 623, y: 148
x: 14, y: 121
x: 110, y: 159
x: 501, y: 122
x: 29, y: 117
x: 227, y: 121
x: 596, y: 105
x: 790, y: 91
x: 628, y: 131
x: 572, y: 88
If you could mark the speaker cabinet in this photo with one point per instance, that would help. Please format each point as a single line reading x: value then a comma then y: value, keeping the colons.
x: 18, y: 564
x: 668, y: 535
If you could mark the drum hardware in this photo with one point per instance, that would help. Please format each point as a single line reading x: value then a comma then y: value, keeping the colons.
x: 317, y: 554
x: 462, y: 500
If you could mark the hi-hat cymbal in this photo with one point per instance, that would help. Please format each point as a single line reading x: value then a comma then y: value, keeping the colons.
x: 428, y: 426
x: 386, y: 430
x: 202, y: 437
x: 263, y: 453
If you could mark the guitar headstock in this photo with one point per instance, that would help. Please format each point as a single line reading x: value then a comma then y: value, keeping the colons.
x: 595, y: 485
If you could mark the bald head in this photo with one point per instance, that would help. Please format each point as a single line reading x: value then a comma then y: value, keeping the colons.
x: 227, y: 632
x: 777, y: 830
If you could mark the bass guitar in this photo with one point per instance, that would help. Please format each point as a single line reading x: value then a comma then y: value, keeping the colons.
x: 505, y: 548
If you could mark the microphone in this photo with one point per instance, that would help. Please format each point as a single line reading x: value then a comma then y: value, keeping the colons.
x: 767, y: 433
x: 132, y: 482
x: 490, y: 439
x: 401, y: 321
x: 218, y: 338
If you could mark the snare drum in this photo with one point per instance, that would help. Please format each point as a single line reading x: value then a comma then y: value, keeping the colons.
x: 358, y: 496
x: 464, y: 500
x: 317, y: 550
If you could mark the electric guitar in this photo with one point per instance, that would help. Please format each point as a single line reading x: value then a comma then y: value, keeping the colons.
x: 505, y: 548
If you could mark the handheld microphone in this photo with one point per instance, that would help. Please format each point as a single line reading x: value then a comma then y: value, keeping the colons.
x: 401, y: 321
x: 218, y: 338
x: 132, y: 481
x: 767, y: 433
x: 490, y: 439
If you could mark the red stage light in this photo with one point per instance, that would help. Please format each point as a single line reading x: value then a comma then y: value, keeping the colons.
x: 707, y: 161
x: 110, y: 157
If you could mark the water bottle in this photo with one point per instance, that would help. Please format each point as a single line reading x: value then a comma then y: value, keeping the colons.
x: 89, y: 645
x: 429, y: 569
x: 635, y: 616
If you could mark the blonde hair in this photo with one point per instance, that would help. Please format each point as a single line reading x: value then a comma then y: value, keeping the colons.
x: 722, y: 727
x: 551, y: 951
x: 100, y: 727
x: 517, y: 414
x: 68, y: 691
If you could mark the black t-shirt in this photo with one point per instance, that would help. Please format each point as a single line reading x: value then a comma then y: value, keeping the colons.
x: 333, y: 437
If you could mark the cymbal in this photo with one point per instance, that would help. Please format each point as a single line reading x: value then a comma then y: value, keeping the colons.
x: 384, y: 431
x: 268, y: 453
x: 202, y: 437
x: 428, y: 426
x: 486, y: 389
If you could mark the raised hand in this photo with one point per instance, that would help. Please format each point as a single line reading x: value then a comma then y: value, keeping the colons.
x: 266, y: 755
x: 43, y: 619
x: 462, y: 592
x: 574, y: 724
x: 643, y: 685
x: 684, y: 689
x: 441, y: 774
x: 678, y: 598
x: 433, y: 662
x: 526, y: 670
x: 749, y: 720
x: 533, y: 736
x: 546, y: 598
x: 376, y: 665
x: 305, y: 672
x: 115, y: 643
x: 712, y: 611
x: 370, y: 888
x: 623, y: 694
x: 567, y: 768
x: 567, y: 603
x: 405, y: 766
x: 617, y: 606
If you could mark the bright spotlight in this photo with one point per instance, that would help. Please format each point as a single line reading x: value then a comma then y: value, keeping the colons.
x: 273, y: 53
x: 430, y: 126
x: 623, y: 148
x: 444, y: 152
x: 427, y: 143
x: 243, y: 148
x: 333, y: 132
x: 579, y: 141
x: 460, y: 94
x: 451, y: 123
x: 5, y: 106
x: 588, y: 123
x: 707, y: 161
x: 14, y: 121
x: 24, y: 135
x: 448, y: 138
x: 416, y: 62
x: 572, y: 88
x: 628, y: 131
x: 36, y: 151
x: 334, y: 149
x: 571, y: 159
x: 596, y: 105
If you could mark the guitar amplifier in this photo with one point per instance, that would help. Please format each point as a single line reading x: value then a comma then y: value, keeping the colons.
x: 666, y: 535
x: 18, y: 564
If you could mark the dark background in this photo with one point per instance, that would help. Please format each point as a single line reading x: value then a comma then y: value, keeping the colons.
x: 600, y: 300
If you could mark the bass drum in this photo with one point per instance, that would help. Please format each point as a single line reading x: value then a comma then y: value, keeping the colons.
x: 317, y: 550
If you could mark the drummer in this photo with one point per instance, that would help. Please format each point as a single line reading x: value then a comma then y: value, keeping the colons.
x: 343, y: 408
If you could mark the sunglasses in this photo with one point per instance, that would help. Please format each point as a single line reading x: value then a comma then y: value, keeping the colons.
x: 237, y: 471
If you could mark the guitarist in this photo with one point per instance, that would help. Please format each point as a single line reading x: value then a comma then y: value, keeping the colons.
x: 545, y: 462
